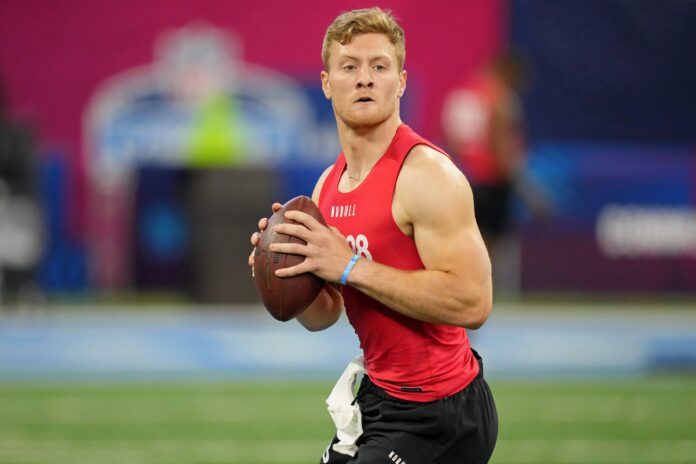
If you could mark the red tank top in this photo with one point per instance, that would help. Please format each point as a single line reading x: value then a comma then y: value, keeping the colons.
x: 410, y: 359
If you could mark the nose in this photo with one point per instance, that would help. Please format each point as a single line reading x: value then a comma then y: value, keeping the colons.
x: 365, y: 78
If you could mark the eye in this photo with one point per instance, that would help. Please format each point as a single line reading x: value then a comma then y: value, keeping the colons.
x: 349, y: 67
x: 380, y: 67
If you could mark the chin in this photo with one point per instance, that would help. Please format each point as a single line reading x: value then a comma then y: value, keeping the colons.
x: 363, y: 120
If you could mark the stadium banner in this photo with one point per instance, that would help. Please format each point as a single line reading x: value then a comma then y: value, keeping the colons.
x: 625, y: 220
x: 194, y: 85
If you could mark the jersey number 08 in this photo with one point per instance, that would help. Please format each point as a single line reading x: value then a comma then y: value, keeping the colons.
x: 359, y: 245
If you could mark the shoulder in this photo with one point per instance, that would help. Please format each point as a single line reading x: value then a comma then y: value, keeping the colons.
x: 424, y: 166
x: 425, y: 157
x: 320, y: 184
x: 430, y: 181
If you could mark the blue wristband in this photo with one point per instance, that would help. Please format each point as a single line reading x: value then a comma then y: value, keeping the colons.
x: 349, y: 267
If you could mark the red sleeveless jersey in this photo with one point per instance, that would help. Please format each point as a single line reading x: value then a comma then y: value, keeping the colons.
x: 410, y: 359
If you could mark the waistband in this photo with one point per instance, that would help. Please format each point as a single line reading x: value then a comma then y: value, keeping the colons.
x: 366, y: 385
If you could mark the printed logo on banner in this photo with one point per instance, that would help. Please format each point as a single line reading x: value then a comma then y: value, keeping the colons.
x: 199, y: 104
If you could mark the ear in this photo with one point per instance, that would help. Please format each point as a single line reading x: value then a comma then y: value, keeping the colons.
x: 325, y: 86
x: 402, y: 83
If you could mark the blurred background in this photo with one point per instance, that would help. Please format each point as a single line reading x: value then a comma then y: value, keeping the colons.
x: 140, y: 142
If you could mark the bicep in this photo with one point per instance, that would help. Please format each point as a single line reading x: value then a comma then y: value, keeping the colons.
x: 445, y: 230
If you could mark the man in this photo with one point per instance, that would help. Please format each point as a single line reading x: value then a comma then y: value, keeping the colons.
x: 482, y: 121
x: 415, y: 275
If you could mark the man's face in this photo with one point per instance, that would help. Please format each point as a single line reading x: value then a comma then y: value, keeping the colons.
x: 363, y: 80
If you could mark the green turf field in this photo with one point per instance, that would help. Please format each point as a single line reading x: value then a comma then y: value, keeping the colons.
x: 653, y: 421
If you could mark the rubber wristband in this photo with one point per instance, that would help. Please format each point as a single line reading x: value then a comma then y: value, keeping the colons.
x: 349, y: 267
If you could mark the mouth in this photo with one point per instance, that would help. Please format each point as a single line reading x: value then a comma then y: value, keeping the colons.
x: 364, y: 100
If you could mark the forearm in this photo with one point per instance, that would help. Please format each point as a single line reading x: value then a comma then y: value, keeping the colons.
x: 433, y: 296
x: 324, y: 310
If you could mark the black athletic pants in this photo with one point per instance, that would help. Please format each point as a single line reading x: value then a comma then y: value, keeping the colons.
x: 458, y: 429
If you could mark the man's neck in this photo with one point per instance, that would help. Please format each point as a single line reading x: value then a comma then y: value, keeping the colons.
x: 363, y: 147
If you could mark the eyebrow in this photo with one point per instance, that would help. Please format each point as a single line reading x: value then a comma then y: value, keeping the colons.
x: 374, y: 58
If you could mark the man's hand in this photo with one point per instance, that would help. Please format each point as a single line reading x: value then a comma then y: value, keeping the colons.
x: 256, y: 236
x: 327, y: 252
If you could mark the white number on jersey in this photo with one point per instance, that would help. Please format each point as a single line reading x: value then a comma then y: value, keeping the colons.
x: 359, y: 245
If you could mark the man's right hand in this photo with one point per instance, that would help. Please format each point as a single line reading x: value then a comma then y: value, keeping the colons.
x: 256, y: 236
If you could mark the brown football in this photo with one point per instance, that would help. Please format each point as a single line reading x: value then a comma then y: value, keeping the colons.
x: 285, y: 297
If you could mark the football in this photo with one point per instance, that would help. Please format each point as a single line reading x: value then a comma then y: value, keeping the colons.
x: 285, y: 297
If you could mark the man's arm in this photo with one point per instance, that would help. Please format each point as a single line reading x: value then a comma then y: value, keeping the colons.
x: 433, y: 201
x: 455, y: 288
x: 328, y: 305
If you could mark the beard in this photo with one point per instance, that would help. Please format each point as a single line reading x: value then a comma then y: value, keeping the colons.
x: 364, y: 119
